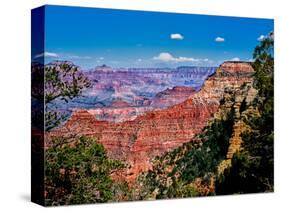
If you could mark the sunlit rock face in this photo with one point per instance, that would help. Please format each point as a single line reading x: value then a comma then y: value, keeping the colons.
x: 155, y: 132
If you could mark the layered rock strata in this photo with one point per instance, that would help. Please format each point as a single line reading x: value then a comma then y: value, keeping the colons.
x: 139, y: 140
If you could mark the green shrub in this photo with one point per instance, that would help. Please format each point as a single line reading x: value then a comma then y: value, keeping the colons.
x: 78, y: 173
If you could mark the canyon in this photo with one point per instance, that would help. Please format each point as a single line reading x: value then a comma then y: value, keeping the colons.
x: 138, y: 89
x: 120, y: 110
x: 154, y: 132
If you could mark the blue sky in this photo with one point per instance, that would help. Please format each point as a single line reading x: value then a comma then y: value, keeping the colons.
x: 121, y: 38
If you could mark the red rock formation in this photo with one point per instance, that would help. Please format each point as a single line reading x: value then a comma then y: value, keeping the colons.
x: 119, y: 104
x: 236, y: 66
x: 156, y: 132
x: 172, y: 96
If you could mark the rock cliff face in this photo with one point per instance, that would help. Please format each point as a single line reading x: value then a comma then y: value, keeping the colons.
x: 139, y: 140
x: 118, y: 114
x: 241, y: 99
x: 172, y: 96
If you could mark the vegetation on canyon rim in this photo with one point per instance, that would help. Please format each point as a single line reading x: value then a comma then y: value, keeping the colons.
x: 78, y: 170
x: 79, y: 173
x: 174, y: 173
x: 63, y: 82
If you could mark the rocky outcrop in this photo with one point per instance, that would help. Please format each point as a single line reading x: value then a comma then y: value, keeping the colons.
x: 103, y: 69
x: 119, y: 104
x: 241, y: 100
x: 173, y: 96
x: 118, y: 114
x: 139, y: 140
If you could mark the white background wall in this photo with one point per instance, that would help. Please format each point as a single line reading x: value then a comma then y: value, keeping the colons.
x: 15, y: 103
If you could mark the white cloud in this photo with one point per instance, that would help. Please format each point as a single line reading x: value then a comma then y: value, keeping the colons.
x: 139, y: 60
x: 99, y: 59
x: 219, y: 39
x: 268, y: 36
x: 46, y: 54
x: 80, y: 57
x: 235, y: 59
x: 164, y: 56
x: 176, y: 36
x: 261, y: 37
x: 167, y: 57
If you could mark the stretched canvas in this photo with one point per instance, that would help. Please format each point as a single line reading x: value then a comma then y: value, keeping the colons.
x: 135, y: 105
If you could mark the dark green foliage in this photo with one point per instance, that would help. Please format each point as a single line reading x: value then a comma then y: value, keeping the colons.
x: 78, y: 173
x: 62, y: 82
x: 122, y: 192
x: 53, y: 119
x: 252, y: 168
x: 204, y: 157
x: 264, y: 65
x: 243, y: 106
x: 198, y: 159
